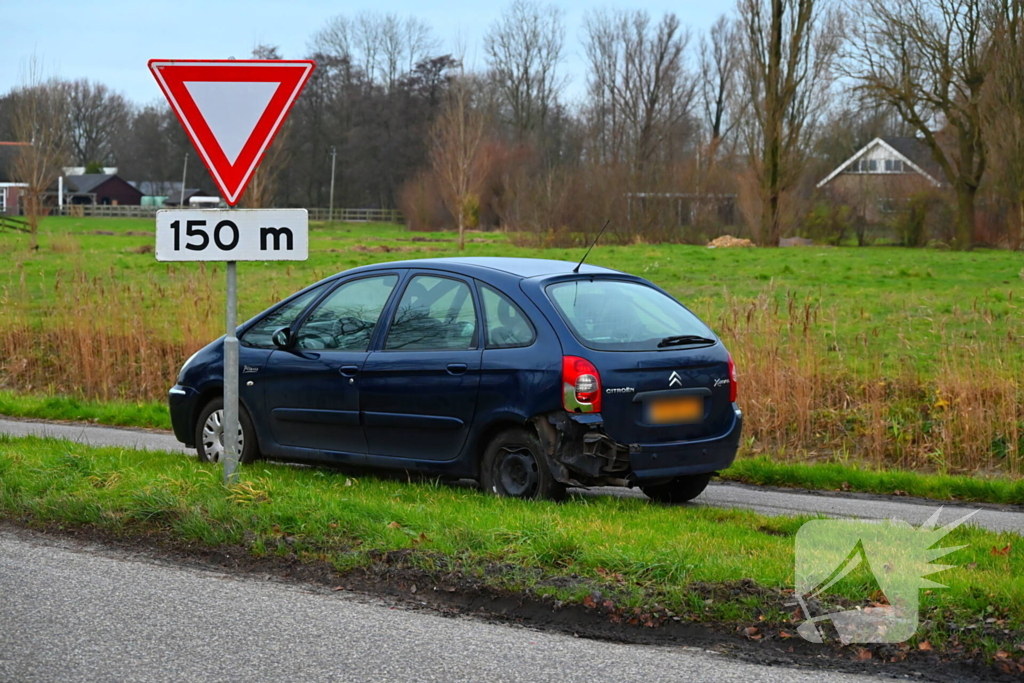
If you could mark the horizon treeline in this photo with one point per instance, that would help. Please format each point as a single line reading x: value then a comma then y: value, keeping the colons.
x: 675, y: 135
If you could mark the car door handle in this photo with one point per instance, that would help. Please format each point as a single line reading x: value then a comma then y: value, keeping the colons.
x: 349, y: 370
x: 457, y: 368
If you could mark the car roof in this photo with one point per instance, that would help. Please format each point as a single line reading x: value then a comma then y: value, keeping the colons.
x: 521, y: 267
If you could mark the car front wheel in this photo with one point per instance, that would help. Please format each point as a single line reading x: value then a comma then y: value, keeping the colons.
x: 514, y: 466
x: 210, y: 434
x: 679, y: 490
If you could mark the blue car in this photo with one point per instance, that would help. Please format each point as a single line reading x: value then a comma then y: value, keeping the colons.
x: 527, y: 375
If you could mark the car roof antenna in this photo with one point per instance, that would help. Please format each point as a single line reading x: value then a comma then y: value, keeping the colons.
x: 577, y: 268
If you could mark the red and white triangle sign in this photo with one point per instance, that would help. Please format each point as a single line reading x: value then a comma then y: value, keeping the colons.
x: 231, y: 109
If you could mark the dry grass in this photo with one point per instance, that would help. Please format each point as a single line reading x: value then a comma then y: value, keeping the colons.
x: 803, y: 402
x: 114, y: 337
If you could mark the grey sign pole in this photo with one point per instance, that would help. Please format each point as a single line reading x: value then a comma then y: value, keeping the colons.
x: 230, y: 424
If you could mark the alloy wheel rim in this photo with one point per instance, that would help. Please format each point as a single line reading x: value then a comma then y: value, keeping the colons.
x: 517, y: 471
x: 213, y: 436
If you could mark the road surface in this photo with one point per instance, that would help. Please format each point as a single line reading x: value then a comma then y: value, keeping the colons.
x: 765, y: 501
x: 72, y: 612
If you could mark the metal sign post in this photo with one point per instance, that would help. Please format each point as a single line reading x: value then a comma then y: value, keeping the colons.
x: 230, y: 432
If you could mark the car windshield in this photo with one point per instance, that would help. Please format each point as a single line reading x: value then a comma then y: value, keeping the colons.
x: 613, y: 315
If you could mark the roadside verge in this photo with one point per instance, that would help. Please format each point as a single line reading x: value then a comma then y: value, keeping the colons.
x: 635, y: 567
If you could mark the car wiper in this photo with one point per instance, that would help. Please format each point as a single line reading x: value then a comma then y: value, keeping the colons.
x: 684, y: 339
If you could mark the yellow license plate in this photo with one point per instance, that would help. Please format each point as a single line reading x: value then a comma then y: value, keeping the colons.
x: 678, y: 410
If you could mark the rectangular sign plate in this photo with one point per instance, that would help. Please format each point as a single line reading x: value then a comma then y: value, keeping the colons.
x: 232, y: 235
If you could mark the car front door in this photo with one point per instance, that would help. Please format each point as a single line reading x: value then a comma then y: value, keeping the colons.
x: 311, y: 388
x: 418, y: 393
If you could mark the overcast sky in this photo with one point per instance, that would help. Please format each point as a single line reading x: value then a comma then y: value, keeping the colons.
x: 112, y: 41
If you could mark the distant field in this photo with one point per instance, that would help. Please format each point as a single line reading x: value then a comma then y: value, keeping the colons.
x: 911, y: 358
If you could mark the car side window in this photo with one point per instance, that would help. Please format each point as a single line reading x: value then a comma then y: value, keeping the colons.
x: 344, y: 321
x: 435, y: 313
x: 259, y: 335
x: 507, y: 325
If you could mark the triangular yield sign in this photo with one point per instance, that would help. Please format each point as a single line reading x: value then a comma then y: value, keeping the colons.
x: 231, y: 110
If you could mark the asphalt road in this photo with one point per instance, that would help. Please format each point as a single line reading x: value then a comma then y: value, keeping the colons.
x: 765, y: 501
x: 70, y: 612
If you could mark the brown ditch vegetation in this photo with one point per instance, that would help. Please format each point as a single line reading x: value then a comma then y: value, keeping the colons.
x: 109, y: 338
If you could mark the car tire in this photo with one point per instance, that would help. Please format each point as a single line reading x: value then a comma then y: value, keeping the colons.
x: 209, y: 442
x: 514, y: 466
x: 679, y: 490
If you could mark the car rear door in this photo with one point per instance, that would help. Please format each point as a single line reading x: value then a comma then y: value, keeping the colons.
x: 311, y: 390
x: 664, y: 375
x: 658, y: 381
x: 418, y: 393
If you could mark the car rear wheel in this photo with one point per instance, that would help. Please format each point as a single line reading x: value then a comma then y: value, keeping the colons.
x: 514, y: 466
x: 679, y: 490
x: 210, y: 434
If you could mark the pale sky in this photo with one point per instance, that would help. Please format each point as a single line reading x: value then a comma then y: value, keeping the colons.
x: 112, y: 41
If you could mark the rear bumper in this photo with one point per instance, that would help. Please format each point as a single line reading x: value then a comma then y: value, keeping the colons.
x: 181, y: 401
x: 667, y: 460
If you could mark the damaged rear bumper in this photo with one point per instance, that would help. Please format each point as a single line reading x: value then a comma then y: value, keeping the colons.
x: 581, y: 454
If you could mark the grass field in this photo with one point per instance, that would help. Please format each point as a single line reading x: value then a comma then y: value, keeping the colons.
x: 643, y: 561
x: 879, y: 356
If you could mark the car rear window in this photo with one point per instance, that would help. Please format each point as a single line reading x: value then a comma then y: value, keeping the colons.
x: 614, y: 315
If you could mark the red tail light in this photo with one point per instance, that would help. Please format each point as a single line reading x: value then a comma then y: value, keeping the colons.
x: 732, y: 380
x: 581, y: 385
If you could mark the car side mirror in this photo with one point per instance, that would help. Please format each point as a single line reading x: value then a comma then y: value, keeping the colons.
x: 282, y: 338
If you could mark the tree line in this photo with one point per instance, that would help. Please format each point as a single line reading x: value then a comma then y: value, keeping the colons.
x: 676, y: 135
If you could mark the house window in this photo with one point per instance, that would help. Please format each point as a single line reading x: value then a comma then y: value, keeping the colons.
x: 873, y: 166
x: 888, y: 205
x: 3, y: 199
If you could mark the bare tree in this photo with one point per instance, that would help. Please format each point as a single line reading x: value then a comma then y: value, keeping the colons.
x: 720, y: 57
x: 420, y: 42
x: 262, y: 186
x: 788, y: 68
x: 930, y: 59
x: 38, y: 117
x: 1003, y: 107
x: 97, y: 119
x: 641, y: 92
x: 383, y: 47
x: 524, y: 48
x: 455, y: 152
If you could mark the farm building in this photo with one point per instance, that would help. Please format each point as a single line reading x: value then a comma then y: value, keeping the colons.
x: 100, y: 188
x: 9, y: 187
x: 880, y: 177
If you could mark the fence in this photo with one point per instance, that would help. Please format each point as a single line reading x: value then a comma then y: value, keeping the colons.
x: 124, y: 211
x: 359, y: 215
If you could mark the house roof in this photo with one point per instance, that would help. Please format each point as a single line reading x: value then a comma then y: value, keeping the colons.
x: 88, y: 182
x: 7, y: 154
x: 914, y: 152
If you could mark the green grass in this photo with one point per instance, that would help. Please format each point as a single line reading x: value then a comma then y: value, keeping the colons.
x: 634, y: 553
x: 764, y: 471
x: 117, y: 413
x: 884, y: 305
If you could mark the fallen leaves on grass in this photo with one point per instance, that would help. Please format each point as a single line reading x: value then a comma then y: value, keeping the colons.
x: 1001, y: 551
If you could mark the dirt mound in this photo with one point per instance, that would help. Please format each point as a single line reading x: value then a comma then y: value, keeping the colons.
x: 796, y: 242
x: 728, y: 241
